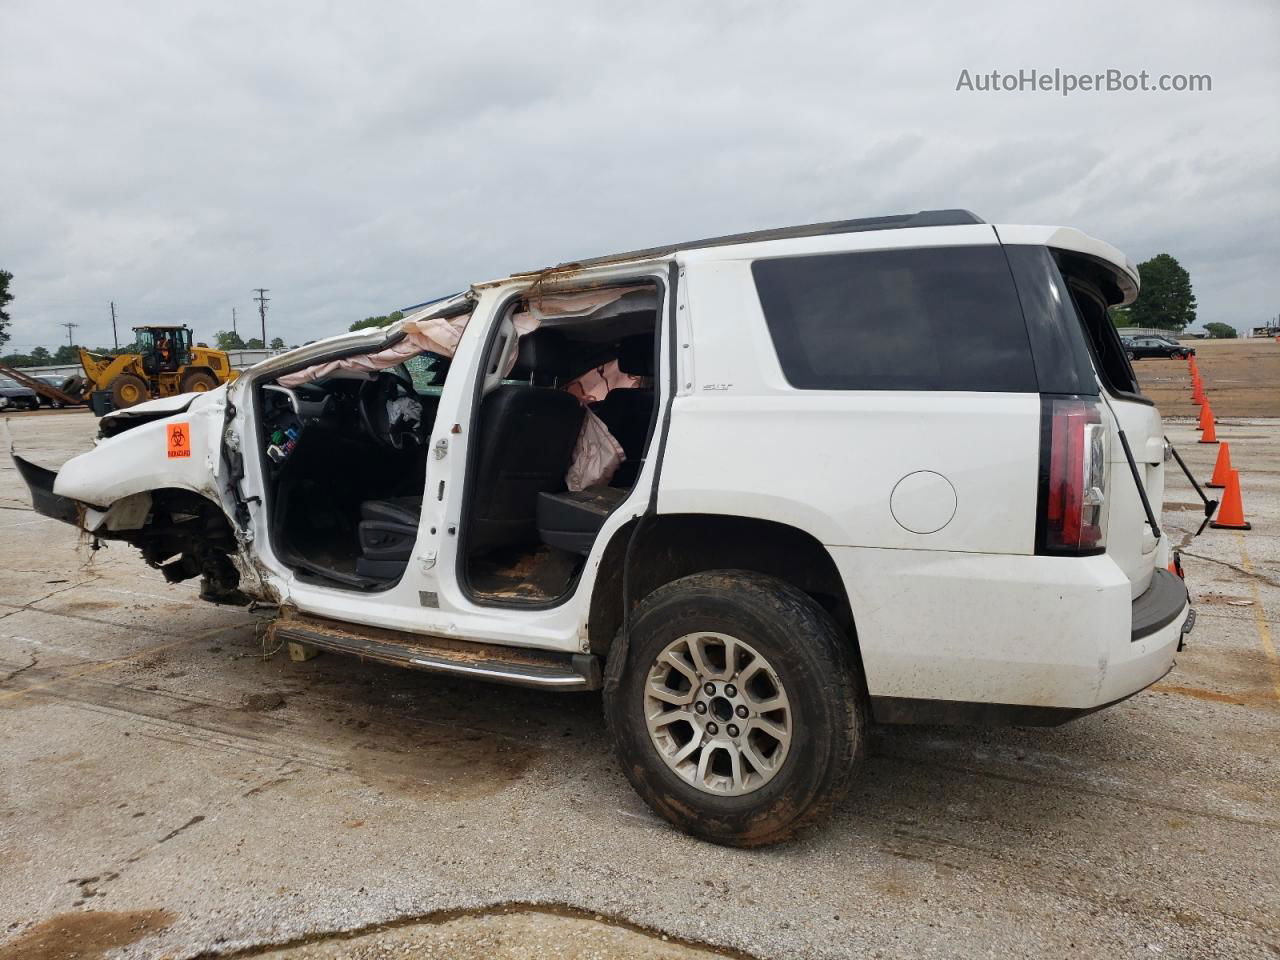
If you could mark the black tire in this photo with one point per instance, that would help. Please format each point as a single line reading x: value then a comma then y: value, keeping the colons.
x: 817, y: 668
x: 128, y: 390
x: 198, y: 381
x: 1129, y: 354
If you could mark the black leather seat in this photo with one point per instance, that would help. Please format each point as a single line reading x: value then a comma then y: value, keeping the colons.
x: 387, y: 529
x: 526, y: 437
x: 628, y: 413
x: 571, y: 521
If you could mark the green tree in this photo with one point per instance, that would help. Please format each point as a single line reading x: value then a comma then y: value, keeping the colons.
x: 367, y: 322
x: 1122, y: 316
x: 5, y: 297
x: 1166, y: 300
x: 16, y: 360
x: 254, y: 344
x: 228, y: 340
x: 277, y: 343
x: 66, y: 354
x: 1221, y: 331
x: 41, y: 357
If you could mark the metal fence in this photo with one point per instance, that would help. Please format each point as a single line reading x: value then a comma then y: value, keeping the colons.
x: 240, y: 360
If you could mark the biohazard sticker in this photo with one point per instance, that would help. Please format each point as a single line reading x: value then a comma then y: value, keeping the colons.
x: 179, y: 440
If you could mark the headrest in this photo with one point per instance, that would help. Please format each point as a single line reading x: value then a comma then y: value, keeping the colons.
x: 635, y: 355
x: 545, y: 354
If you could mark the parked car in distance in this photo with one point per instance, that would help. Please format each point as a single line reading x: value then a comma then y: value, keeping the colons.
x: 754, y: 488
x: 1154, y: 347
x: 59, y: 383
x: 14, y: 396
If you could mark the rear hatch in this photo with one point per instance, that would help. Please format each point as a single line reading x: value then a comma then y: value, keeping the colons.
x: 1095, y: 286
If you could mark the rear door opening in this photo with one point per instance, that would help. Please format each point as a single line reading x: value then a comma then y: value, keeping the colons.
x: 561, y: 426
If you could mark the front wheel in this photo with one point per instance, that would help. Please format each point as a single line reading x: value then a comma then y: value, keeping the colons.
x: 739, y: 716
x: 1129, y: 354
x: 127, y: 391
x: 197, y: 381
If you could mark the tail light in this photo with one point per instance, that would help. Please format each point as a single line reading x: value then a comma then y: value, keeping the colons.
x: 1073, y: 477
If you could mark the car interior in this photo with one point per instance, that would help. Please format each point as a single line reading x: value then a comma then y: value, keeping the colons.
x: 346, y: 455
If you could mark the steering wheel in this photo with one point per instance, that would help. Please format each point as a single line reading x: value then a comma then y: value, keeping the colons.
x: 375, y: 394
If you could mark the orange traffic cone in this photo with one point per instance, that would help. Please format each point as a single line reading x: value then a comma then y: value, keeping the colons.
x: 1207, y: 433
x: 1231, y: 516
x: 1197, y: 390
x: 1221, y: 469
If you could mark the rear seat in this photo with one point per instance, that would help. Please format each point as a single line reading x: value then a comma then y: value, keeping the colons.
x: 570, y: 521
x: 628, y: 413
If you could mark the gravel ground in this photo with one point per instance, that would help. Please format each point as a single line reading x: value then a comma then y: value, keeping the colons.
x: 165, y: 791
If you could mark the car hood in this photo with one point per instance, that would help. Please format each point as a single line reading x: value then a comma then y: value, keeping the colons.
x: 118, y: 421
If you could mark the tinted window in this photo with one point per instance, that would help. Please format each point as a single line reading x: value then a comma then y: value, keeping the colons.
x: 1057, y: 343
x: 942, y: 318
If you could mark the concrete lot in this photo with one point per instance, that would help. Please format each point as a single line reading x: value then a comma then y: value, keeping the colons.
x: 167, y: 791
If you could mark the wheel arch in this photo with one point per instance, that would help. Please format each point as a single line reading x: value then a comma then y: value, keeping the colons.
x: 671, y: 546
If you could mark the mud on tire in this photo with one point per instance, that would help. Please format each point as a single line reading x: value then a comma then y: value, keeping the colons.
x: 792, y: 656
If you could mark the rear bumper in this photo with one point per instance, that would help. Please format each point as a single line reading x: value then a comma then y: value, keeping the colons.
x: 962, y: 638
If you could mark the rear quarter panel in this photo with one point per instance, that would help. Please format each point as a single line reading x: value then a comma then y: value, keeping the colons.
x: 744, y: 442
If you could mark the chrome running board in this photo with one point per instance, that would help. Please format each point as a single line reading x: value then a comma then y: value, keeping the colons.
x: 480, y: 661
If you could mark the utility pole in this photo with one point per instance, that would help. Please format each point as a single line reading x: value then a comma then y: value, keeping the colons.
x: 233, y: 321
x: 69, y: 326
x: 114, y: 338
x: 262, y: 299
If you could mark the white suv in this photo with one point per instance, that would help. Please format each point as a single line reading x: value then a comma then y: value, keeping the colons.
x: 763, y: 489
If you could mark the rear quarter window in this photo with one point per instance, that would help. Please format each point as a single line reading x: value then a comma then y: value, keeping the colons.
x: 938, y: 318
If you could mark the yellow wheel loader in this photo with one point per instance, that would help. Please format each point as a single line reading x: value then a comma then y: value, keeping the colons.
x: 165, y: 364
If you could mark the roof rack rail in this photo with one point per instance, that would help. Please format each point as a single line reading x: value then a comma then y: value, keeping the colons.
x: 925, y: 218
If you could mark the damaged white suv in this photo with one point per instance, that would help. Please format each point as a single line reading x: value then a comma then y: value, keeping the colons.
x: 763, y: 489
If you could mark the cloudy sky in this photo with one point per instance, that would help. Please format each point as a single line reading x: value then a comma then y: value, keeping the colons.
x: 359, y: 157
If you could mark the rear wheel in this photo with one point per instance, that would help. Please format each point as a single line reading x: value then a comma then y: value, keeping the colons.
x: 127, y: 390
x: 197, y: 381
x: 1129, y: 354
x: 739, y: 716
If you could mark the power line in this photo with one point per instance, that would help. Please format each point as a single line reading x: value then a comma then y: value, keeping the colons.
x: 262, y: 299
x: 70, y: 326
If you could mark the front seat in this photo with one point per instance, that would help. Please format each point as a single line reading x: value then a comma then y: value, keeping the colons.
x: 527, y: 434
x: 388, y: 530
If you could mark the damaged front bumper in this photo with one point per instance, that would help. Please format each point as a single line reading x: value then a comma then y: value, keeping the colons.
x: 40, y: 481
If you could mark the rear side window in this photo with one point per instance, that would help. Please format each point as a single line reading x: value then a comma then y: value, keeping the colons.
x: 938, y: 318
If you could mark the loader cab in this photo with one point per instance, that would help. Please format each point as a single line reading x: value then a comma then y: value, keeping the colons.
x: 163, y: 349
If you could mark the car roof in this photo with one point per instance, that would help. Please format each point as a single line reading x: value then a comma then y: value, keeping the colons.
x: 924, y: 218
x: 1062, y: 238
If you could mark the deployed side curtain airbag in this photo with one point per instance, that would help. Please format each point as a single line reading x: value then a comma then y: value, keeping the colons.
x: 439, y: 335
x: 597, y: 454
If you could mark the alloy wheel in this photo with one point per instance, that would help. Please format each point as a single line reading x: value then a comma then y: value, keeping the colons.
x: 718, y: 714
